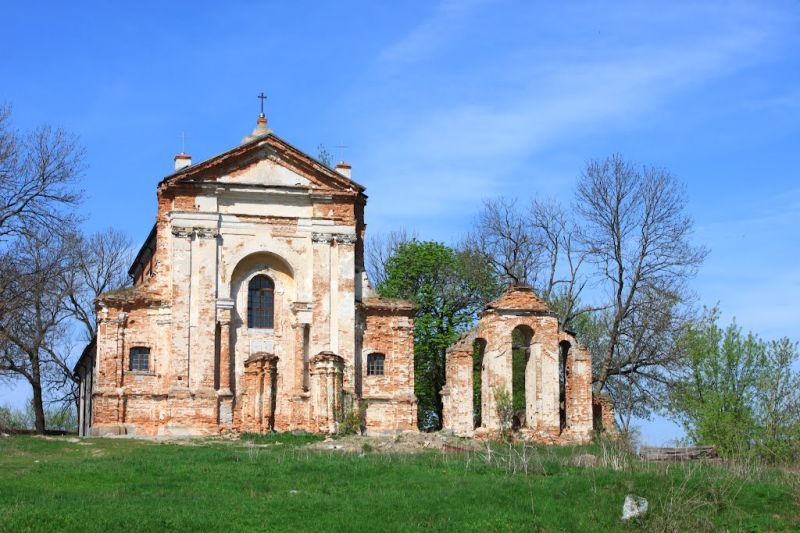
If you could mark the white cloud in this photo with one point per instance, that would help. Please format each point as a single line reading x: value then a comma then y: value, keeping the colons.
x: 543, y: 98
x: 447, y: 20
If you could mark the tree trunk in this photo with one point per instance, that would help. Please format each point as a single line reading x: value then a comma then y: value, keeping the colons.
x: 38, y: 406
x: 36, y: 385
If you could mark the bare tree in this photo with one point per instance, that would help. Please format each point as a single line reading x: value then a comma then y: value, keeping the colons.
x: 39, y: 172
x: 380, y: 247
x: 538, y: 247
x: 638, y: 237
x: 562, y: 278
x: 35, y: 324
x: 38, y: 175
x: 507, y: 239
x: 99, y: 264
x: 628, y: 238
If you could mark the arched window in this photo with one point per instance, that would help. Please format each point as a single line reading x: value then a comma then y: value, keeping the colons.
x: 521, y: 339
x: 140, y: 359
x: 563, y: 376
x: 260, y: 302
x: 375, y: 363
x: 478, y: 349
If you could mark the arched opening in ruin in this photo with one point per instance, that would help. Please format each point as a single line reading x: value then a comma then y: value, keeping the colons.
x: 563, y: 376
x: 478, y: 349
x: 521, y: 339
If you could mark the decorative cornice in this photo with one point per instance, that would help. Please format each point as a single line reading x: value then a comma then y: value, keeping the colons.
x: 206, y: 233
x: 344, y: 238
x: 182, y: 232
x: 199, y: 232
x: 302, y: 306
x: 225, y: 303
x: 339, y: 238
x: 322, y: 237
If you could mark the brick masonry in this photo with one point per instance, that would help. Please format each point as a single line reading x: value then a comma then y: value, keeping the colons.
x: 262, y: 208
x: 265, y: 208
x: 491, y: 343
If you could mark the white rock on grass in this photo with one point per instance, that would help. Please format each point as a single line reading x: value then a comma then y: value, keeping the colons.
x: 634, y: 506
x: 584, y: 460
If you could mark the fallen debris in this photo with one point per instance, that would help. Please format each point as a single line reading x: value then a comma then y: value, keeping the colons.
x: 584, y: 460
x: 634, y: 507
x: 406, y: 442
x: 693, y: 453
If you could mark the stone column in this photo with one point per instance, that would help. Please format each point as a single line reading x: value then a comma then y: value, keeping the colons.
x: 457, y: 394
x: 225, y: 356
x: 269, y: 375
x: 224, y: 308
x: 181, y: 265
x: 82, y: 404
x: 225, y: 395
x: 344, y: 305
x: 121, y: 321
x: 327, y: 386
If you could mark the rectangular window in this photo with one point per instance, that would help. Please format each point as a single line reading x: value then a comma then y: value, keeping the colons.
x: 140, y: 359
x: 260, y: 302
x: 375, y: 364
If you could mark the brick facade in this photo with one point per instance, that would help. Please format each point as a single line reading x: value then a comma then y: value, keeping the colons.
x: 265, y: 212
x: 261, y: 209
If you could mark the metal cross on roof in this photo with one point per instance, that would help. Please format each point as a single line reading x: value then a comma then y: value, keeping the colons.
x: 262, y: 97
x: 341, y: 146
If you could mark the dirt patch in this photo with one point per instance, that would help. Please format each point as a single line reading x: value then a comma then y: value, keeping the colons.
x: 407, y: 442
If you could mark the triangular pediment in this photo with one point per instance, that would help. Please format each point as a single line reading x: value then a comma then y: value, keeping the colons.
x: 266, y: 161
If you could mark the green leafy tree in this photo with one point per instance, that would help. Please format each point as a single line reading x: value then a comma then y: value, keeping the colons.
x: 737, y: 391
x: 448, y: 287
x: 777, y: 403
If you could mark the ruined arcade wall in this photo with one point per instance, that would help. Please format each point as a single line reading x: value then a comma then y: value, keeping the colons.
x: 518, y: 307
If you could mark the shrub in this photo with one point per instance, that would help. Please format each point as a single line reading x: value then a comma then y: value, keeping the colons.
x: 504, y: 405
x: 354, y: 415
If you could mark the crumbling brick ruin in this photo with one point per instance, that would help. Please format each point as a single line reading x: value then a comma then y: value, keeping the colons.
x: 251, y: 311
x: 548, y: 373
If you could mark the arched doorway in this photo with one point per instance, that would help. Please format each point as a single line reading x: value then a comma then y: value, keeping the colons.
x: 478, y: 349
x: 521, y: 338
x: 563, y: 376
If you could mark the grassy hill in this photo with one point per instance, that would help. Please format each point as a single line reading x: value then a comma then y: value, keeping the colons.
x: 278, y: 484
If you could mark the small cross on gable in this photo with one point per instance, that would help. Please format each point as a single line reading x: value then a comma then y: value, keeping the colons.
x: 262, y: 97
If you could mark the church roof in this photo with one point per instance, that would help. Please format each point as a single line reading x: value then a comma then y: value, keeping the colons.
x: 518, y: 298
x: 229, y: 158
x: 88, y: 352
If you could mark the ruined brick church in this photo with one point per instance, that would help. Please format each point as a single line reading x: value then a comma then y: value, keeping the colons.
x: 250, y: 310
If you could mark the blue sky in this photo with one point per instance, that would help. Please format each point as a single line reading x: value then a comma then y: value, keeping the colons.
x: 442, y: 104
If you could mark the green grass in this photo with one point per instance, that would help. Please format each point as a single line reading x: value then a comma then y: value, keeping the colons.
x: 116, y: 484
x: 281, y: 438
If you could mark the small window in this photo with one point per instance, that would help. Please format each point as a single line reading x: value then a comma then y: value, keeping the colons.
x: 140, y: 359
x: 260, y: 302
x: 375, y: 364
